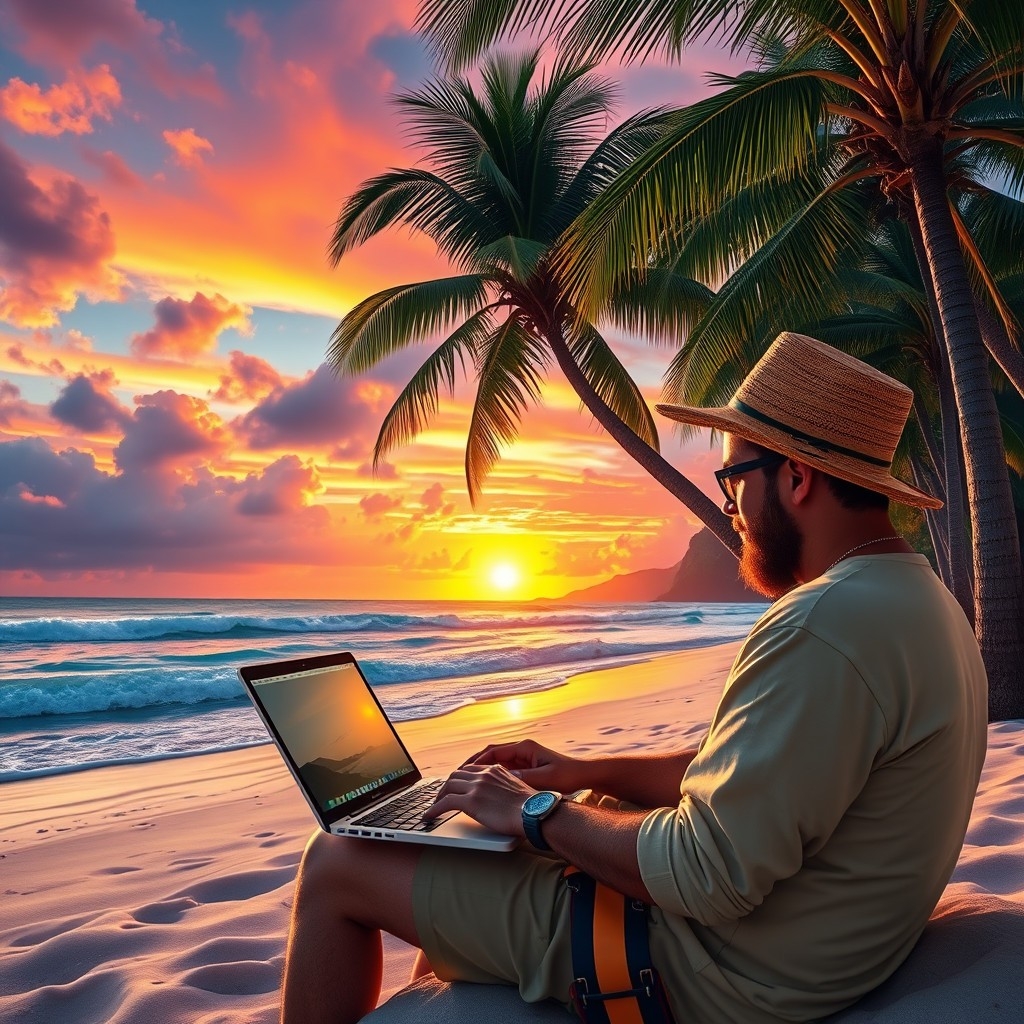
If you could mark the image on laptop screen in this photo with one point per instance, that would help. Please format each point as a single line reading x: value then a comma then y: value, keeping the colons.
x: 341, y: 744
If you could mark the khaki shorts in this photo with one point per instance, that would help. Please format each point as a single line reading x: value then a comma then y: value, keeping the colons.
x: 495, y: 918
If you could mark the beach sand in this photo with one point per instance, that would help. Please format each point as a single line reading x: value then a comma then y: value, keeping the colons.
x: 162, y: 891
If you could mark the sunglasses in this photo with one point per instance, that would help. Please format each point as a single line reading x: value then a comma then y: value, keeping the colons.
x: 725, y: 476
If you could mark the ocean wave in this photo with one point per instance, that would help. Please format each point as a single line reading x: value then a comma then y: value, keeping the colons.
x: 28, y: 696
x: 208, y: 626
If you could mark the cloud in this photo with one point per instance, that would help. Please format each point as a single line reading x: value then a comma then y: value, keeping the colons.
x: 61, y: 32
x: 383, y: 470
x: 432, y: 502
x: 584, y: 559
x: 11, y: 404
x: 187, y: 148
x: 60, y: 514
x: 111, y: 166
x: 68, y: 107
x: 86, y: 404
x: 250, y: 378
x: 165, y: 427
x: 321, y: 409
x: 185, y: 329
x: 282, y: 487
x: 374, y: 506
x: 55, y: 242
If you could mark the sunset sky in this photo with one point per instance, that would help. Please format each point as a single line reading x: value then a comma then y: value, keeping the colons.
x: 169, y: 175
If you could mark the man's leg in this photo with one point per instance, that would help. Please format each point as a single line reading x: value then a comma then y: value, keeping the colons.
x: 347, y: 891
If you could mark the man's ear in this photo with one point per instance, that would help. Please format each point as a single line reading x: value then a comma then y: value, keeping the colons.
x: 796, y: 481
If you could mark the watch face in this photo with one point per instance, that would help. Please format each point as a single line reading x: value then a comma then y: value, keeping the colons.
x: 539, y: 803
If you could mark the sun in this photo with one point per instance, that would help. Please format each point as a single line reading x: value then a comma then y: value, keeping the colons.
x: 504, y: 576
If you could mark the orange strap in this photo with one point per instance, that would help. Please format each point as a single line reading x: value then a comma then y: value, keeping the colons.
x: 610, y: 955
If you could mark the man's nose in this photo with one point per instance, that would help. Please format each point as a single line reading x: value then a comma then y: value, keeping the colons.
x: 729, y: 507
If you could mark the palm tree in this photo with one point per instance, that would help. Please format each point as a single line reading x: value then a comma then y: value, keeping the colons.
x: 907, y: 89
x: 507, y: 172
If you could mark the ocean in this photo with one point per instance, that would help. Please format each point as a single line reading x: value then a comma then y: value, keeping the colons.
x: 92, y: 682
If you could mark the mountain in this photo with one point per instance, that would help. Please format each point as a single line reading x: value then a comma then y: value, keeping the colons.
x: 628, y: 588
x: 706, y: 573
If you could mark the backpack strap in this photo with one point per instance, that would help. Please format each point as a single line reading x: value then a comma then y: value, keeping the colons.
x: 614, y: 979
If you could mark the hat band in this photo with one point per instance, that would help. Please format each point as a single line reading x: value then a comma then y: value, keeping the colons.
x: 816, y: 442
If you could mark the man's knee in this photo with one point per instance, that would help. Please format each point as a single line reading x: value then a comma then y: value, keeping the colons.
x: 329, y: 859
x: 366, y: 881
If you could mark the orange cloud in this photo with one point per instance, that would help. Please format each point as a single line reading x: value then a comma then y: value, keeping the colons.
x: 188, y: 147
x: 185, y: 329
x: 55, y: 243
x: 250, y: 378
x: 68, y: 107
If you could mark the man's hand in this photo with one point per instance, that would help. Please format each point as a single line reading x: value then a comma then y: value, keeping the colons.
x: 489, y: 793
x: 537, y: 766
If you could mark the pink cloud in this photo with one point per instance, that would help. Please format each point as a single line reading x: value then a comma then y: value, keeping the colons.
x: 55, y: 242
x: 62, y: 32
x: 11, y: 404
x: 321, y: 409
x: 86, y: 405
x: 111, y: 166
x: 167, y: 427
x: 185, y: 329
x: 68, y: 107
x: 250, y: 378
x: 60, y: 514
x: 282, y: 487
x: 187, y: 148
x: 374, y: 506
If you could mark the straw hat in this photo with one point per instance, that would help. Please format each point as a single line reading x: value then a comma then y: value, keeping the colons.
x: 822, y: 407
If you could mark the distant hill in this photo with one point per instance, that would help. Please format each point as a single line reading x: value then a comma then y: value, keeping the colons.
x: 706, y: 573
x: 630, y: 587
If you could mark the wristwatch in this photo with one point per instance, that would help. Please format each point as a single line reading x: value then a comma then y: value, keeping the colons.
x: 535, y: 810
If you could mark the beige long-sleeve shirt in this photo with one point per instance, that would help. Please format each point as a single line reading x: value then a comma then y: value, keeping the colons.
x: 827, y: 806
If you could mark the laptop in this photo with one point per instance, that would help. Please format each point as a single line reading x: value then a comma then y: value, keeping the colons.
x: 347, y: 759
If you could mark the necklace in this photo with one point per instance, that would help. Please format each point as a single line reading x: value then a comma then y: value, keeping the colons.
x: 866, y: 544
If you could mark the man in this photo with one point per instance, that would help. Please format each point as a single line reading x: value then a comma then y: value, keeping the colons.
x: 792, y: 861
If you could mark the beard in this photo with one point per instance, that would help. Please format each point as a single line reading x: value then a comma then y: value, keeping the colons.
x: 772, y: 546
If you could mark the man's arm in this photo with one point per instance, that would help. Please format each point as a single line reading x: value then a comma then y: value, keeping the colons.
x: 598, y: 840
x: 647, y: 780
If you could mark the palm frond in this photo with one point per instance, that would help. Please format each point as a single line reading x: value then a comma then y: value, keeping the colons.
x: 416, y: 198
x: 417, y: 403
x: 610, y: 380
x: 519, y: 258
x: 509, y: 366
x: 393, y: 318
x: 660, y: 303
x: 688, y: 172
x: 782, y: 281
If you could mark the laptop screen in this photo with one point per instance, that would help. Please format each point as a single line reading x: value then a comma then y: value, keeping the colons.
x: 329, y: 724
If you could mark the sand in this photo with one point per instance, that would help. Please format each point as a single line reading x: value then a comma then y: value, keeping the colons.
x: 162, y: 891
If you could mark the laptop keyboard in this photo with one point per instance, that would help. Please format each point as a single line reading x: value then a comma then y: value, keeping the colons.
x: 405, y: 812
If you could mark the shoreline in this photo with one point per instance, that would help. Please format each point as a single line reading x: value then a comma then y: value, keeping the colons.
x: 162, y: 891
x: 624, y: 661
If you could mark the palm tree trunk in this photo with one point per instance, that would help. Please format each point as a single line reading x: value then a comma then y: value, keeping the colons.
x: 1002, y: 350
x: 642, y: 453
x: 999, y: 593
x: 927, y: 480
x: 961, y: 578
x: 960, y: 582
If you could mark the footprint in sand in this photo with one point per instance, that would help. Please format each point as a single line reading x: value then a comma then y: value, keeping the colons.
x: 241, y: 886
x: 165, y: 911
x: 116, y: 870
x: 245, y: 978
x: 190, y: 863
